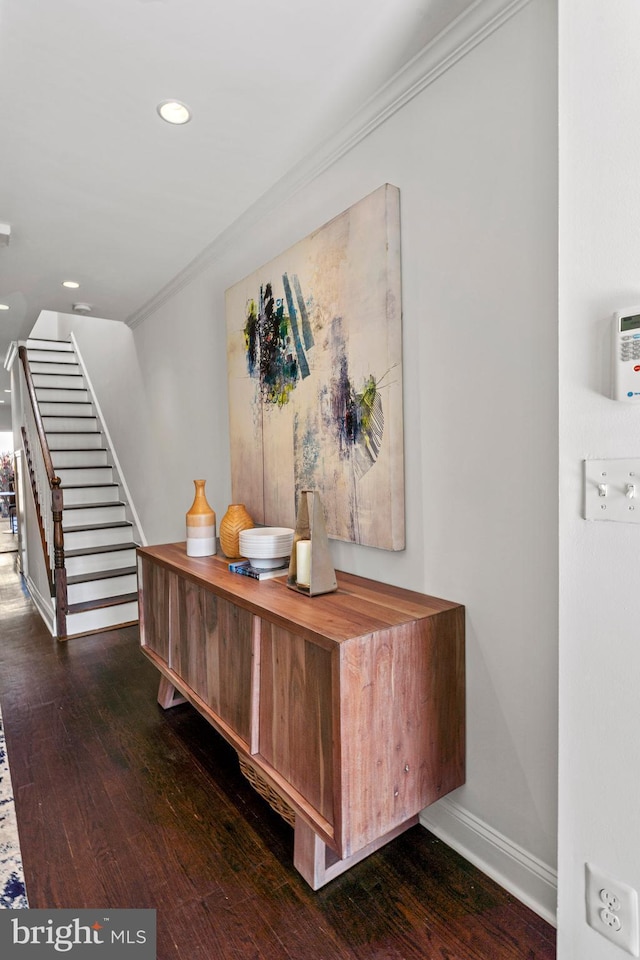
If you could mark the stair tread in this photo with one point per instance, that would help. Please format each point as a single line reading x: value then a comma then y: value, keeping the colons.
x: 97, y: 526
x: 89, y: 486
x: 70, y: 363
x: 99, y: 466
x: 99, y: 604
x: 100, y: 548
x: 98, y: 503
x: 102, y: 575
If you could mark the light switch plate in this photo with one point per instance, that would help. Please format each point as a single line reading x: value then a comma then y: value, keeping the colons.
x: 612, y: 490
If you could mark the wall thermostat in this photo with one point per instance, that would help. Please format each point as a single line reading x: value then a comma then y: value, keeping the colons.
x: 625, y: 353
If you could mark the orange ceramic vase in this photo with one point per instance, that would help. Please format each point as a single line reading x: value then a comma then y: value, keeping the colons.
x: 234, y: 521
x: 201, y: 525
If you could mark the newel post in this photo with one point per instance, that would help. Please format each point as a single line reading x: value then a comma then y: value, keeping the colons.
x: 59, y: 570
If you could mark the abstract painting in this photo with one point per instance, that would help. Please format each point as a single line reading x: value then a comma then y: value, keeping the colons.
x: 314, y: 343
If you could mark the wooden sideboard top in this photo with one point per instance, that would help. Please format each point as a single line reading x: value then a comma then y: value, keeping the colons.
x: 358, y: 607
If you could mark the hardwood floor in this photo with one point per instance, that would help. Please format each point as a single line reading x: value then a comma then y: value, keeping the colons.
x: 120, y: 804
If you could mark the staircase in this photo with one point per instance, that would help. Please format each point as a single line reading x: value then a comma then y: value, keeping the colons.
x: 99, y: 543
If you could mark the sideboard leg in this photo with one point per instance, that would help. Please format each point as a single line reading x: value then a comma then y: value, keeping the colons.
x: 318, y: 863
x: 309, y: 854
x: 168, y: 696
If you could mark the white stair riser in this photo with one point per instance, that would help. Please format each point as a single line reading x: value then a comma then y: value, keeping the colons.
x: 77, y: 476
x: 57, y: 381
x: 86, y: 516
x: 96, y: 538
x: 64, y: 346
x: 43, y: 367
x: 75, y: 441
x: 51, y: 356
x: 48, y: 409
x: 100, y: 589
x: 70, y: 425
x: 94, y: 562
x: 62, y: 394
x: 102, y: 619
x: 93, y: 494
x: 78, y: 458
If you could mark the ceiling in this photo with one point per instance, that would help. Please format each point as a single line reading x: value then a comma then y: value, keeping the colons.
x: 98, y: 189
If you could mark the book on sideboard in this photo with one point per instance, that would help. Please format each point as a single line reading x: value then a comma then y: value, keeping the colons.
x: 244, y: 568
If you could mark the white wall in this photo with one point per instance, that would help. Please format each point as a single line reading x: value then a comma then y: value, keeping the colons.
x: 599, y: 562
x: 474, y: 156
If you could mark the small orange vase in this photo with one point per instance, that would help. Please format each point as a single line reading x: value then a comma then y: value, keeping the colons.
x: 201, y: 525
x: 234, y: 521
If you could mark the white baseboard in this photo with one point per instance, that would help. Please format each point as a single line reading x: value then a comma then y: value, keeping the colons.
x: 44, y: 605
x: 530, y: 880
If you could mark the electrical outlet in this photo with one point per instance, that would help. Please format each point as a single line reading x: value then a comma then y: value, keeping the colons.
x: 612, y: 909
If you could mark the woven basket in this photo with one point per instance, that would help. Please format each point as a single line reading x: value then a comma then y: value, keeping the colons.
x: 267, y: 792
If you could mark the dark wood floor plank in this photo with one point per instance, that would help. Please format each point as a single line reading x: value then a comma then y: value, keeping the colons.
x: 122, y: 804
x: 463, y: 899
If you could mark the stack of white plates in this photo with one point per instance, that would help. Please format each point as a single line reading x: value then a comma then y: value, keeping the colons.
x: 266, y: 547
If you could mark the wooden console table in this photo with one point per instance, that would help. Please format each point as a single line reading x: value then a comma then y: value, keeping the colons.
x: 348, y: 707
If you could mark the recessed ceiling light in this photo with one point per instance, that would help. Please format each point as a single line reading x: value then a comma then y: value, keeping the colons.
x: 174, y: 112
x: 71, y: 284
x: 4, y: 306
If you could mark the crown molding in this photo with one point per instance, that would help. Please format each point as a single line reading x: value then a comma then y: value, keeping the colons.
x: 472, y: 27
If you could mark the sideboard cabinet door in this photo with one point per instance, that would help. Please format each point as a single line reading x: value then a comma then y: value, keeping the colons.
x: 203, y: 639
x: 154, y: 589
x: 296, y: 716
x: 210, y: 648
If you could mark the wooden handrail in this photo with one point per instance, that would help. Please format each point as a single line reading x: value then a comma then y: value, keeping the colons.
x: 36, y: 500
x: 22, y: 352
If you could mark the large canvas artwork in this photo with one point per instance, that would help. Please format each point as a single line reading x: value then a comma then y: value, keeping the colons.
x: 314, y: 343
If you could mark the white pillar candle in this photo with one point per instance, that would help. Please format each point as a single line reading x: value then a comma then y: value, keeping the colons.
x: 303, y: 563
